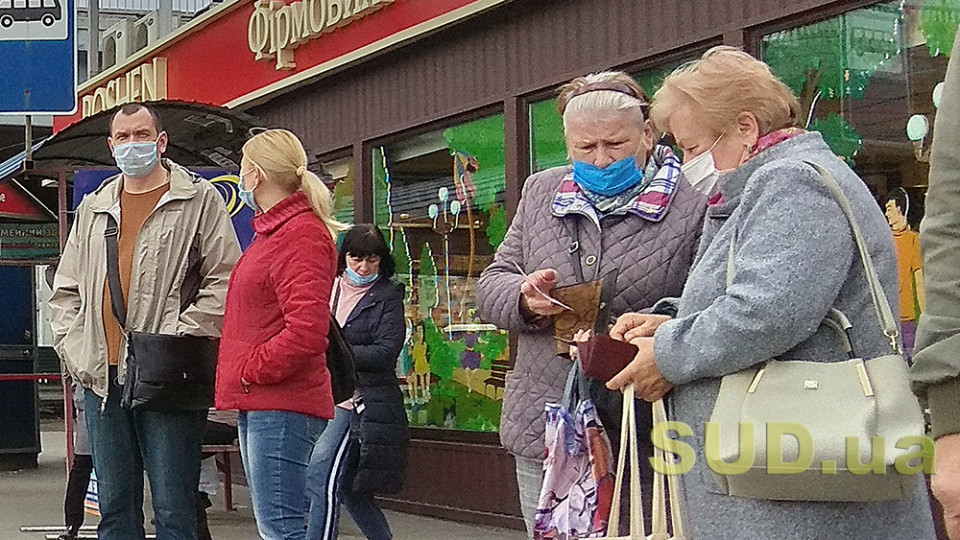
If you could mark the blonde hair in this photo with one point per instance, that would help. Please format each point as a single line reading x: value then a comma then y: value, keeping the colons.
x: 721, y: 85
x: 281, y: 157
x: 576, y: 98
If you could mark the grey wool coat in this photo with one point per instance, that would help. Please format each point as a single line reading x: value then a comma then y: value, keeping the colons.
x: 653, y: 258
x: 795, y: 259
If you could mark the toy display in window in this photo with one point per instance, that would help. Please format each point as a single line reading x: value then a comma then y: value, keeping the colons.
x: 910, y: 264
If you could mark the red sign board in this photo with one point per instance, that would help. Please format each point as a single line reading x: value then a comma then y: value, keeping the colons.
x: 16, y: 203
x: 211, y: 60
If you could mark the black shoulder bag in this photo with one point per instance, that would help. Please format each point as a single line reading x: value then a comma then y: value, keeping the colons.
x: 164, y: 372
x: 343, y: 375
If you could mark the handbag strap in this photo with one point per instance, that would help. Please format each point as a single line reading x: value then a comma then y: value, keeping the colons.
x: 112, y: 234
x: 575, y: 389
x: 836, y: 318
x: 661, y: 484
x: 676, y: 517
x: 880, y: 303
x: 628, y: 446
x: 336, y: 296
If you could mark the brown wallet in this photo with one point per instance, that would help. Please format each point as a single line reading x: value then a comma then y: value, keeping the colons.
x: 602, y: 357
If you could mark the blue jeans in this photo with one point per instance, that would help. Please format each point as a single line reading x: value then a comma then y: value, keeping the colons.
x: 164, y: 444
x: 275, y: 447
x: 334, y: 454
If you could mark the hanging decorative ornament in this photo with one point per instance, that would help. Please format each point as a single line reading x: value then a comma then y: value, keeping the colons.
x: 917, y: 127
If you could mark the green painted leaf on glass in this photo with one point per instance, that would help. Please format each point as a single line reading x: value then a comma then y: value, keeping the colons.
x: 652, y: 79
x: 840, y: 135
x: 497, y: 226
x: 546, y: 127
x: 491, y: 346
x: 444, y: 355
x: 836, y: 58
x: 938, y: 22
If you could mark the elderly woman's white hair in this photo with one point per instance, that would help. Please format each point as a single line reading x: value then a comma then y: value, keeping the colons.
x: 603, y: 93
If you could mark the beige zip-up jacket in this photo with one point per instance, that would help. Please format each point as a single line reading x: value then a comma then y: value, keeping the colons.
x: 189, y: 227
x: 936, y: 358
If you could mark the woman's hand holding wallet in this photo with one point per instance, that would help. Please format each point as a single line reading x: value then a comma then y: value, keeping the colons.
x: 625, y: 356
x: 630, y: 326
x: 600, y: 356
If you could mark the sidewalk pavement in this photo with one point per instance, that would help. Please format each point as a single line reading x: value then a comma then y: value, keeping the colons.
x: 34, y: 497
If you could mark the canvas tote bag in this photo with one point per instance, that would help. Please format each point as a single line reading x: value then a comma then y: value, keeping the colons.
x: 664, y: 526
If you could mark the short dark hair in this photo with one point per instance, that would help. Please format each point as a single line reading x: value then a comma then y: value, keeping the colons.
x: 134, y: 108
x: 899, y: 197
x: 362, y: 241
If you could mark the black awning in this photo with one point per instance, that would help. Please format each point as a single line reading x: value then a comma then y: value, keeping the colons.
x: 200, y: 136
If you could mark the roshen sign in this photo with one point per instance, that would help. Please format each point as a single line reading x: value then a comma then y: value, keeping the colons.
x: 277, y: 28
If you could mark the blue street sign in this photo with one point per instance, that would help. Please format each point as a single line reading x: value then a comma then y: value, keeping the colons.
x: 38, y: 70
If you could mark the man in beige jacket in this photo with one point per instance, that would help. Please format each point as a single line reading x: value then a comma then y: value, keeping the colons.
x: 176, y: 249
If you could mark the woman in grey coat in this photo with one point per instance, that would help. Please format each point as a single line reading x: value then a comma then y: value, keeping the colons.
x: 622, y: 206
x: 794, y: 257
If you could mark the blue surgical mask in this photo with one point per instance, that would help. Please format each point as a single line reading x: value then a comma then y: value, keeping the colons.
x: 358, y: 280
x: 137, y: 159
x: 247, y: 195
x: 614, y: 179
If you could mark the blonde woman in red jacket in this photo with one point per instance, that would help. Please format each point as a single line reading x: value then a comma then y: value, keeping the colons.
x: 272, y: 364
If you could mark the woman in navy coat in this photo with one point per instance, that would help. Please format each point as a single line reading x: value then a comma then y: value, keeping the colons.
x: 363, y: 451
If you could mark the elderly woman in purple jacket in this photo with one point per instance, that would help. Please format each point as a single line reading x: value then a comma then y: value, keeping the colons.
x: 622, y: 206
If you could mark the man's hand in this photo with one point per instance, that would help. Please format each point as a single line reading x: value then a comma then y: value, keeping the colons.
x: 534, y: 291
x: 642, y: 373
x: 631, y: 326
x: 945, y: 483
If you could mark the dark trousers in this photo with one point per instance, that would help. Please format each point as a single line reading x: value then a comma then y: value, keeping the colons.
x: 77, y: 481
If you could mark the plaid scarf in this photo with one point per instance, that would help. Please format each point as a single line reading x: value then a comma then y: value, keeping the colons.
x: 649, y: 200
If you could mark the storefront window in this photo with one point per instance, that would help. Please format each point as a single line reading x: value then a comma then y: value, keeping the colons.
x: 869, y: 81
x: 439, y: 198
x: 338, y: 175
x: 547, y: 147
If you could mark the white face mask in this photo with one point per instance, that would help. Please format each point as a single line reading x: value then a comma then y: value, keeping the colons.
x: 702, y: 172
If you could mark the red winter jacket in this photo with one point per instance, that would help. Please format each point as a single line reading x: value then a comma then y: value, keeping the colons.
x: 277, y: 316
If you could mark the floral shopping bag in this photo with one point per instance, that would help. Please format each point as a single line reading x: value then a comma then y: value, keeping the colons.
x: 578, y: 478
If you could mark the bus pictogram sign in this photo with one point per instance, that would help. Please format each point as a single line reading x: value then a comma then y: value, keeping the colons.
x: 38, y: 47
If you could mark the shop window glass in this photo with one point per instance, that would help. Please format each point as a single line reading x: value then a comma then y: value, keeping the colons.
x: 338, y: 175
x: 547, y: 147
x: 439, y: 198
x: 869, y: 82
